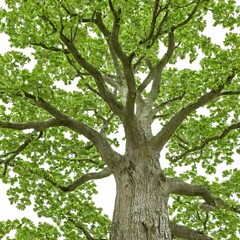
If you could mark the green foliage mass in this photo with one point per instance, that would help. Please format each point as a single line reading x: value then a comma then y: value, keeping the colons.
x: 62, y: 155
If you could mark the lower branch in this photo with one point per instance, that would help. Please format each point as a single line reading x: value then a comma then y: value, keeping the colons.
x: 80, y: 226
x: 184, y: 232
x: 177, y: 186
x: 81, y: 180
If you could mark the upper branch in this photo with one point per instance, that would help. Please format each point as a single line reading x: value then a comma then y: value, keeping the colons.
x: 155, y: 74
x: 207, y: 141
x: 184, y: 232
x: 190, y: 16
x: 107, y: 34
x: 125, y: 60
x: 166, y: 103
x: 153, y: 22
x: 115, y: 33
x: 81, y: 180
x: 162, y: 137
x: 233, y: 92
x: 107, y: 96
x: 157, y: 71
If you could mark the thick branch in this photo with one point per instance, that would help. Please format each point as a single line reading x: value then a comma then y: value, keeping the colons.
x: 162, y: 137
x: 38, y: 126
x: 81, y: 180
x: 115, y: 33
x: 156, y: 73
x: 95, y: 137
x: 125, y: 60
x: 177, y: 186
x: 145, y: 82
x: 207, y: 141
x: 184, y: 232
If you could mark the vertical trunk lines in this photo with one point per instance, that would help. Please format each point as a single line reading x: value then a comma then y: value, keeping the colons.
x: 141, y: 211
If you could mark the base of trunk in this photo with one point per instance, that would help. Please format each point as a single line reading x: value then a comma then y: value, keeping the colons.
x: 141, y: 211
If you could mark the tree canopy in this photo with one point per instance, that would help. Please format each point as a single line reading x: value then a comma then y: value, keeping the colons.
x: 117, y: 61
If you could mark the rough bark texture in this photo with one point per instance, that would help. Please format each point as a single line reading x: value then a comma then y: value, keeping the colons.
x: 141, y: 202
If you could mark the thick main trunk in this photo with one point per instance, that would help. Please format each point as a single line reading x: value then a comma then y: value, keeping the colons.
x: 141, y: 204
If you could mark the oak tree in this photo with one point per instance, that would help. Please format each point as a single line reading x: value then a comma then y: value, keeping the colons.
x: 121, y: 60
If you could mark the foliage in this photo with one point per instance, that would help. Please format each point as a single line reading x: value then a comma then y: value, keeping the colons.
x: 37, y: 159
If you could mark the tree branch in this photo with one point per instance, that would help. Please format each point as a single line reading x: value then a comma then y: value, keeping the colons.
x: 184, y: 232
x: 107, y: 96
x: 38, y: 126
x: 81, y: 180
x: 177, y: 186
x: 169, y: 101
x: 236, y: 92
x: 159, y: 29
x: 107, y: 34
x: 50, y: 48
x: 207, y: 141
x: 80, y: 226
x: 190, y: 16
x: 145, y: 82
x: 157, y: 71
x: 153, y: 22
x: 162, y: 137
x: 117, y: 52
x: 13, y: 154
x: 125, y: 60
x: 95, y: 137
x: 115, y: 33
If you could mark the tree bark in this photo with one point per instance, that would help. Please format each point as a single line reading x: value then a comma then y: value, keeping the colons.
x: 141, y: 202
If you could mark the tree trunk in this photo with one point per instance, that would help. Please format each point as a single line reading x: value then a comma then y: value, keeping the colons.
x: 141, y: 211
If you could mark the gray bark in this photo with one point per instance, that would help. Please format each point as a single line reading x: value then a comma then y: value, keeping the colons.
x: 141, y: 202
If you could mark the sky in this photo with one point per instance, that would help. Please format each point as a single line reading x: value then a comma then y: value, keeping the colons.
x: 106, y: 187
